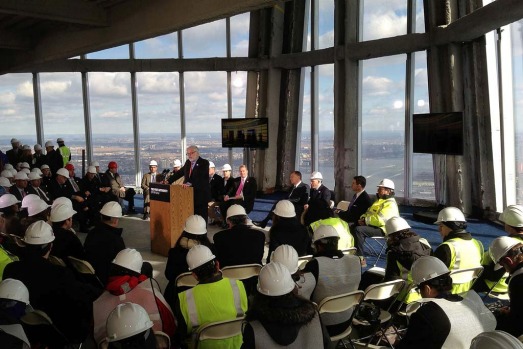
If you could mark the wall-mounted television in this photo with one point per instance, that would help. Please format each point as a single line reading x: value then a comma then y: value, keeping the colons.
x: 438, y: 133
x: 245, y: 133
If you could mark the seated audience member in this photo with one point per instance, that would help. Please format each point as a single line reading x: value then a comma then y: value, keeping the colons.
x: 52, y: 288
x: 495, y: 340
x: 126, y: 283
x: 53, y: 158
x: 37, y: 210
x: 286, y: 229
x: 14, y: 303
x: 216, y: 214
x: 242, y: 192
x: 305, y: 281
x: 79, y: 198
x: 214, y: 299
x: 119, y: 191
x: 103, y: 243
x: 318, y: 190
x: 444, y: 320
x: 35, y: 187
x: 335, y: 273
x: 194, y: 233
x: 5, y: 186
x: 299, y: 196
x: 240, y: 244
x: 372, y: 222
x: 27, y: 157
x: 280, y: 318
x: 6, y: 257
x: 38, y: 158
x: 46, y: 178
x: 507, y: 253
x: 9, y: 219
x: 316, y: 210
x: 95, y: 194
x: 346, y: 240
x: 217, y: 191
x: 360, y: 202
x: 458, y: 250
x: 19, y: 190
x: 66, y: 242
x: 129, y: 326
x: 147, y: 179
x: 8, y: 175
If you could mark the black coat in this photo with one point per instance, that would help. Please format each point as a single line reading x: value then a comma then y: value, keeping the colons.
x: 299, y: 197
x: 239, y: 245
x: 217, y: 187
x: 66, y: 243
x: 249, y: 192
x: 322, y: 193
x: 101, y: 245
x: 54, y: 160
x: 288, y: 231
x: 358, y: 208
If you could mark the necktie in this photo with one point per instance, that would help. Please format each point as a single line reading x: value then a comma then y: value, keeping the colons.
x: 352, y: 201
x: 192, y: 166
x: 22, y: 192
x: 75, y: 186
x: 42, y: 194
x: 153, y: 177
x: 240, y: 187
x: 294, y: 187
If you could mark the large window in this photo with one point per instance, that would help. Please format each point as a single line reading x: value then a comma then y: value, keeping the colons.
x: 517, y: 71
x: 240, y: 35
x: 384, y: 18
x: 165, y: 46
x: 305, y: 154
x: 206, y: 40
x: 326, y: 123
x: 119, y: 52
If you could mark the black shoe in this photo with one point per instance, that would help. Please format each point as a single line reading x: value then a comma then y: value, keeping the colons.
x: 260, y: 224
x: 145, y: 216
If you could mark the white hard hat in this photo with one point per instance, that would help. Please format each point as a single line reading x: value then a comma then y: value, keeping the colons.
x: 63, y: 172
x: 95, y: 163
x: 59, y: 140
x: 153, y: 163
x: 8, y: 167
x: 14, y: 140
x: 112, y: 209
x: 286, y: 255
x: 316, y: 175
x: 235, y: 210
x: 49, y: 144
x: 44, y: 167
x: 127, y: 320
x: 28, y: 199
x: 500, y: 247
x: 226, y: 167
x: 195, y: 225
x: 61, y: 212
x: 4, y: 182
x: 513, y: 216
x: 38, y: 233
x: 129, y: 258
x: 62, y: 200
x: 198, y: 256
x: 285, y: 208
x: 21, y: 176
x: 275, y: 280
x: 13, y: 172
x: 26, y: 147
x: 36, y: 206
x: 427, y: 268
x: 450, y: 214
x: 395, y: 224
x: 495, y: 340
x: 211, y: 164
x: 324, y: 231
x: 177, y: 163
x: 25, y: 170
x: 7, y: 200
x: 37, y: 170
x: 14, y: 290
x: 33, y: 176
x: 91, y: 169
x: 386, y: 183
x: 343, y: 205
x: 7, y: 174
x: 25, y: 164
x: 37, y: 147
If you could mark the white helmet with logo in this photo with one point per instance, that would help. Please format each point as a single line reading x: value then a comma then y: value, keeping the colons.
x: 450, y: 214
x: 63, y: 172
x: 275, y: 280
x: 28, y: 199
x: 386, y: 183
x: 286, y: 255
x: 198, y: 256
x: 513, y: 216
x: 195, y: 225
x: 427, y: 268
x: 130, y: 259
x: 500, y: 247
x: 285, y: 208
x: 39, y: 233
x: 127, y: 320
x: 395, y: 224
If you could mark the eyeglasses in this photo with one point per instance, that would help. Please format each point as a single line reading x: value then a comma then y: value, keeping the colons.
x: 190, y: 153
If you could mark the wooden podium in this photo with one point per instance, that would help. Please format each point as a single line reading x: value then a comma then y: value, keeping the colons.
x: 171, y: 205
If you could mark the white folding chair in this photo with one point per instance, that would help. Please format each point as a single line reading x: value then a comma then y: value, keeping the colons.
x: 381, y: 241
x: 468, y: 275
x: 241, y: 272
x: 186, y: 279
x: 350, y: 250
x: 219, y: 330
x: 85, y: 268
x: 303, y: 260
x: 56, y: 260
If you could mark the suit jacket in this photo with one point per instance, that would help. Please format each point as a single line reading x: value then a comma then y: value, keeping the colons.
x: 217, y: 187
x: 115, y: 182
x: 299, y: 196
x: 359, y: 207
x: 240, y: 244
x: 54, y: 160
x: 13, y: 156
x: 146, y: 181
x: 322, y: 193
x: 14, y: 190
x: 199, y: 179
x: 56, y: 190
x: 32, y: 190
x: 249, y: 191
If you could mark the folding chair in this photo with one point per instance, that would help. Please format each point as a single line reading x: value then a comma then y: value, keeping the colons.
x: 56, y: 260
x: 241, y: 272
x: 338, y: 304
x: 350, y: 250
x: 162, y: 340
x: 219, y: 330
x: 186, y: 280
x: 376, y: 251
x: 303, y: 260
x: 38, y: 324
x: 85, y: 268
x: 468, y: 275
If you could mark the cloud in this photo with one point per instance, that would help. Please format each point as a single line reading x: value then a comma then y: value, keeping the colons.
x: 377, y: 86
x: 25, y: 89
x: 158, y: 83
x: 115, y: 85
x: 7, y: 98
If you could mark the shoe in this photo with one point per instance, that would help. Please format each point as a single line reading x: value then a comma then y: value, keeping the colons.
x: 260, y: 224
x: 145, y: 216
x: 131, y: 211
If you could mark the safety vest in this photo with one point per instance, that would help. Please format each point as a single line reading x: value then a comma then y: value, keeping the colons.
x: 464, y: 254
x: 5, y: 259
x: 408, y: 294
x: 306, y: 285
x: 66, y: 154
x: 336, y: 276
x: 309, y: 336
x: 16, y: 330
x: 380, y: 212
x: 500, y: 286
x: 346, y: 240
x: 142, y: 295
x: 217, y: 301
x: 468, y: 318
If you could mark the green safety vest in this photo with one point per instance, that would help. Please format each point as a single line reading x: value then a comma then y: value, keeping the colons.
x: 346, y: 239
x: 66, y: 154
x: 464, y: 254
x: 380, y: 212
x: 217, y: 301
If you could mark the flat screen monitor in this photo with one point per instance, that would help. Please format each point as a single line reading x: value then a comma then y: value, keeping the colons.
x: 438, y: 133
x: 245, y: 133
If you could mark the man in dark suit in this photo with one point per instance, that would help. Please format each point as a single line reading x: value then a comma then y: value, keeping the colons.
x: 318, y: 190
x: 19, y: 190
x: 14, y: 154
x: 196, y: 175
x: 299, y: 196
x: 359, y: 203
x: 242, y: 192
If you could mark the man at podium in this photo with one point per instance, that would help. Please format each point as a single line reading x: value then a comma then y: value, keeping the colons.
x: 196, y: 173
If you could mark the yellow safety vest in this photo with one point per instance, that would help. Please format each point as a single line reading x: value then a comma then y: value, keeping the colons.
x: 464, y: 254
x: 409, y: 293
x: 380, y: 212
x: 66, y: 154
x: 342, y: 227
x: 5, y: 259
x: 217, y: 301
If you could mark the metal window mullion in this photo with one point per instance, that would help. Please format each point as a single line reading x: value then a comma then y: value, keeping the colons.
x: 136, y: 122
x: 314, y: 89
x: 87, y: 115
x: 38, y: 109
x: 229, y: 87
x: 409, y: 104
x: 182, y: 98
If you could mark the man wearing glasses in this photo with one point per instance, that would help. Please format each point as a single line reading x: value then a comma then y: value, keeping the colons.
x: 196, y: 173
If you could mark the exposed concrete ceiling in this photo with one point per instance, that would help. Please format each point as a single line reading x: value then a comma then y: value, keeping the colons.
x: 38, y: 31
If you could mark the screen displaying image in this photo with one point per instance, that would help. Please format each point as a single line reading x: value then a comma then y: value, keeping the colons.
x: 245, y: 133
x: 438, y: 133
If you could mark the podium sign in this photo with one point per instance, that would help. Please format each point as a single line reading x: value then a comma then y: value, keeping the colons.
x: 171, y: 205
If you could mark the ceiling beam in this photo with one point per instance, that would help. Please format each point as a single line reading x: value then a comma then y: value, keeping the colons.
x: 14, y: 41
x: 68, y: 11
